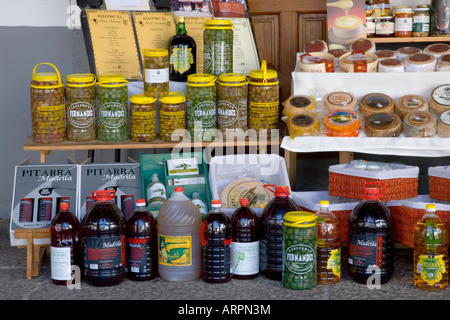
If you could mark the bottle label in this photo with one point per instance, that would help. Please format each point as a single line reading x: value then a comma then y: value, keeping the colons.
x: 200, y: 205
x: 61, y: 268
x: 300, y: 259
x: 245, y: 257
x: 181, y: 58
x: 431, y: 268
x: 156, y: 193
x: 175, y: 250
x: 157, y: 75
x: 137, y: 255
x: 365, y: 251
x: 104, y: 252
x: 334, y: 262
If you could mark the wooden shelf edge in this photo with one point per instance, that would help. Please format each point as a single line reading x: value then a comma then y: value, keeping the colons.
x: 411, y: 39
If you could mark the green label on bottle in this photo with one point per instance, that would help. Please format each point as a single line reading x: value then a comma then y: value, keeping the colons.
x: 431, y: 268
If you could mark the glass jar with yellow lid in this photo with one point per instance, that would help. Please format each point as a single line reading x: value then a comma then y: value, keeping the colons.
x: 80, y: 107
x: 48, y: 114
x: 263, y: 99
x: 172, y: 117
x: 218, y: 46
x: 201, y: 112
x: 156, y: 72
x: 142, y: 118
x: 232, y: 94
x: 112, y: 103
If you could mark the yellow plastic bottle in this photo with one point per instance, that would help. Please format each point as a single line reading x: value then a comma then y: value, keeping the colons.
x: 430, y: 251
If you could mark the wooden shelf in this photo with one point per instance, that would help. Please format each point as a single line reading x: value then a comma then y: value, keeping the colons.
x: 411, y: 39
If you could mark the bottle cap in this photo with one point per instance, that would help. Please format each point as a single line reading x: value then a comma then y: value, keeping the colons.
x: 279, y: 191
x: 431, y: 207
x: 140, y: 202
x: 243, y: 202
x: 324, y: 203
x: 372, y: 193
x: 178, y: 189
x: 103, y: 195
x: 215, y: 203
x: 64, y: 206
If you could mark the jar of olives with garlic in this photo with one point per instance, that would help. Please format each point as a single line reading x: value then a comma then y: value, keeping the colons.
x: 80, y: 107
x: 48, y: 114
x: 112, y: 103
x: 201, y: 113
x: 232, y: 93
x: 142, y: 118
x: 172, y: 114
x: 156, y: 72
x: 263, y: 97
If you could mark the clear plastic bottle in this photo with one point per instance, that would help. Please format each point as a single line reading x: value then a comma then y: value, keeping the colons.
x: 431, y: 252
x: 245, y: 245
x: 328, y: 245
x: 66, y: 248
x: 141, y: 244
x: 156, y: 192
x: 271, y: 225
x: 179, y: 224
x: 216, y: 246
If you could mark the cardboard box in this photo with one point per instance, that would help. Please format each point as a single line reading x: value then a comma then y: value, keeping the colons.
x: 38, y: 190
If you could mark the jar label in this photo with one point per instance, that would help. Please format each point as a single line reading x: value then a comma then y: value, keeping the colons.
x: 112, y: 114
x: 403, y: 24
x: 51, y: 116
x: 431, y: 268
x: 181, y: 58
x: 227, y: 113
x: 300, y: 259
x: 104, y: 252
x: 60, y: 263
x: 384, y: 27
x: 365, y: 251
x: 217, y: 57
x: 245, y: 257
x: 157, y: 75
x: 137, y: 255
x: 203, y: 113
x: 81, y: 115
x: 175, y: 250
x: 156, y: 193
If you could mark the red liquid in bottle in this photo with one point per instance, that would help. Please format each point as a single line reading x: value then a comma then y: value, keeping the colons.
x: 66, y: 248
x: 141, y: 242
x: 245, y: 248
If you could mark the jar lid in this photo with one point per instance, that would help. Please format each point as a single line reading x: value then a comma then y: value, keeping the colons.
x: 430, y: 206
x: 112, y: 80
x: 218, y: 24
x: 264, y: 73
x: 422, y: 9
x: 300, y: 219
x: 141, y: 99
x: 232, y: 79
x: 173, y: 98
x: 87, y: 79
x: 201, y: 80
x: 155, y: 52
x: 46, y: 76
x: 324, y: 202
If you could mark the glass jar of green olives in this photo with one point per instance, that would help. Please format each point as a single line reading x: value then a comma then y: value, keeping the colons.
x: 218, y: 47
x: 112, y: 102
x: 156, y: 72
x: 172, y: 114
x: 232, y: 92
x: 263, y: 98
x: 299, y: 250
x: 201, y: 114
x: 80, y: 107
x: 48, y: 113
x: 142, y: 118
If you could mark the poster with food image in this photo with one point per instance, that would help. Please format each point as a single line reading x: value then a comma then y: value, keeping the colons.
x: 346, y: 22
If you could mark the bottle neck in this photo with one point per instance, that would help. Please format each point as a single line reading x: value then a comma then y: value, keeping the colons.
x: 181, y: 28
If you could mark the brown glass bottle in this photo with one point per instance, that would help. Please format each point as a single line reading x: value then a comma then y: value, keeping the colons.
x: 66, y: 248
x: 245, y: 243
x: 141, y: 244
x: 182, y: 54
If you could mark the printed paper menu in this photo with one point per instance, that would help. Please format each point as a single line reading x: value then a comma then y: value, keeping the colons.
x: 153, y: 29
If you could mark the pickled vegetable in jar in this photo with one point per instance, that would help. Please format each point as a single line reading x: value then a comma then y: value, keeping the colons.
x: 201, y: 113
x: 232, y: 94
x: 80, y: 107
x: 48, y: 113
x: 156, y: 72
x: 142, y: 118
x: 112, y: 102
x: 172, y: 114
x: 263, y: 98
x: 218, y: 47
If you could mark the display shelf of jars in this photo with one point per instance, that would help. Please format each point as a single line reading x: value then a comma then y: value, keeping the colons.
x: 410, y: 39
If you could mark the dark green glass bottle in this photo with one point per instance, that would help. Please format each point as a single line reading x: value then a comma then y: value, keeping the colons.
x: 182, y: 53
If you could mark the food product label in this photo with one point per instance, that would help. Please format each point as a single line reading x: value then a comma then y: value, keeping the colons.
x: 204, y: 114
x: 418, y: 119
x: 245, y: 257
x: 342, y: 118
x: 334, y: 262
x: 421, y: 24
x: 157, y: 75
x: 365, y: 251
x: 445, y: 117
x: 112, y: 114
x: 300, y: 259
x: 175, y: 250
x: 104, y: 252
x: 156, y: 193
x: 340, y: 99
x: 431, y: 268
x: 181, y: 58
x: 51, y: 116
x: 384, y: 27
x: 61, y: 268
x: 403, y: 24
x: 227, y: 113
x: 442, y: 95
x: 412, y: 102
x: 200, y: 205
x: 137, y: 254
x: 81, y: 114
x: 217, y: 56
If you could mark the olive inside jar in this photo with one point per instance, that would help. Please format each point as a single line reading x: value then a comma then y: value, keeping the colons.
x: 80, y: 107
x: 112, y: 102
x: 142, y: 118
x: 232, y: 94
x: 263, y: 99
x: 156, y: 72
x: 48, y: 113
x: 172, y: 117
x: 201, y: 113
x: 218, y: 47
